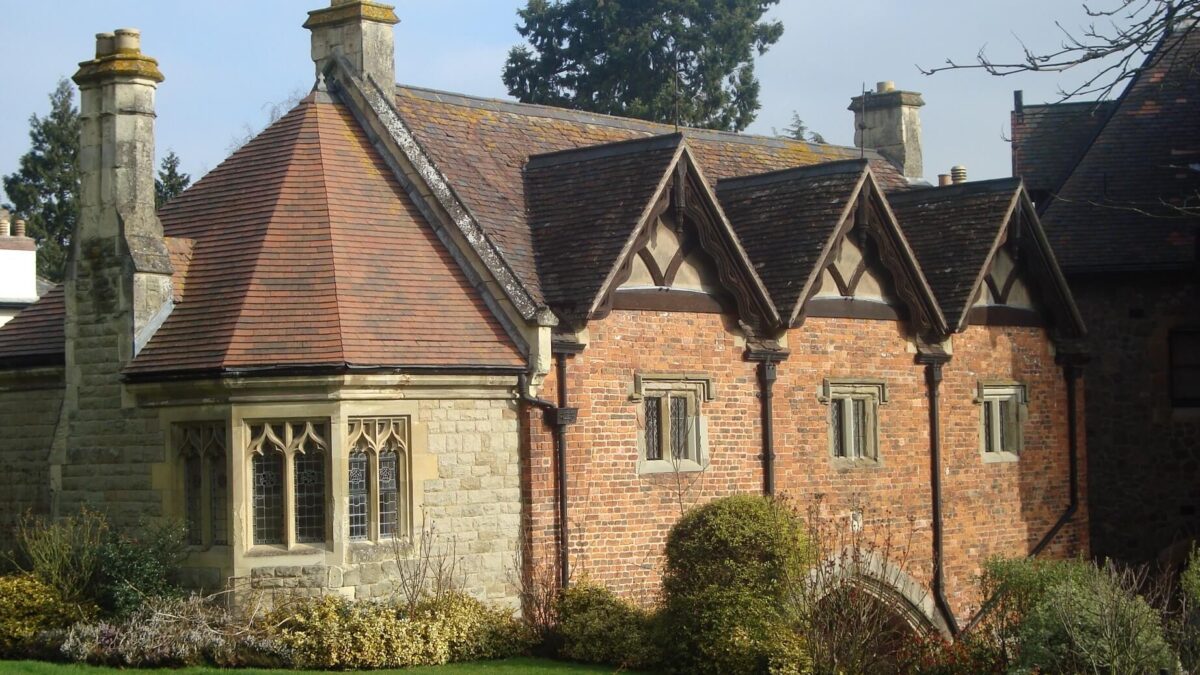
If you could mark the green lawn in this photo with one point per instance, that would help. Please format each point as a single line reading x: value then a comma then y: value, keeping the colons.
x: 505, y: 667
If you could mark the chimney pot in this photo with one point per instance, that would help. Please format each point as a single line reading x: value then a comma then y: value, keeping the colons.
x: 19, y: 228
x: 958, y: 174
x: 105, y: 44
x: 944, y: 180
x: 127, y: 40
x: 885, y: 86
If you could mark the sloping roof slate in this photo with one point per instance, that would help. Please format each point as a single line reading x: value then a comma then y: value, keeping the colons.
x: 952, y: 230
x: 1048, y: 140
x: 584, y: 204
x: 481, y: 146
x: 1109, y: 214
x: 35, y: 335
x: 784, y: 219
x: 306, y: 252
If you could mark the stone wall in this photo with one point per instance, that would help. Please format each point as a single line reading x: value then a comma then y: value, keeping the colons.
x: 29, y: 413
x: 1144, y: 455
x: 619, y: 520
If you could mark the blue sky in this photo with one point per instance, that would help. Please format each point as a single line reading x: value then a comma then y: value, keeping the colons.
x: 227, y: 61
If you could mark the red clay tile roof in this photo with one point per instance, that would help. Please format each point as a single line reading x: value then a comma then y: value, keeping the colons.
x: 307, y: 252
x: 481, y: 146
x: 1109, y: 213
x: 784, y: 220
x: 35, y: 336
x: 952, y: 230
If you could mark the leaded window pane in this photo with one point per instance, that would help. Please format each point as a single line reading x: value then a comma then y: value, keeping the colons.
x: 858, y: 427
x: 268, y: 498
x: 310, y: 497
x: 654, y: 428
x: 389, y: 501
x: 1007, y: 421
x: 193, y: 490
x: 219, y: 500
x: 359, y: 477
x: 679, y: 428
x: 837, y: 427
x: 989, y: 439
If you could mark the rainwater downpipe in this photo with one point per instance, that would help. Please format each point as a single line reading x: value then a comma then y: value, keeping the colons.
x: 1072, y: 365
x: 560, y: 417
x: 767, y: 373
x: 933, y: 379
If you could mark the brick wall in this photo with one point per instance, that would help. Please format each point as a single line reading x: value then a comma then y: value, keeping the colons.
x: 619, y: 520
x: 1144, y: 456
x: 29, y: 410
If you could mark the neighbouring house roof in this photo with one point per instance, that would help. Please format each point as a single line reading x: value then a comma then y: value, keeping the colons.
x: 305, y: 251
x: 1113, y: 211
x: 34, y: 337
x: 1048, y: 140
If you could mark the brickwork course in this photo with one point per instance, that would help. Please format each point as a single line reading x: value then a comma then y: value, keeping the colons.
x: 424, y: 259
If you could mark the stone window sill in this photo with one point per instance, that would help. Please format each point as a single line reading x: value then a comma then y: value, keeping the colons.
x: 267, y: 550
x: 1000, y: 457
x: 657, y: 466
x: 862, y: 463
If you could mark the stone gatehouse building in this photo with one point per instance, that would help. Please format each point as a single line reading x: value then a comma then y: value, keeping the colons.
x: 541, y: 333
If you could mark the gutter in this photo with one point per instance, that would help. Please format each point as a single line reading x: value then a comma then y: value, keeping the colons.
x: 933, y: 363
x: 1072, y: 365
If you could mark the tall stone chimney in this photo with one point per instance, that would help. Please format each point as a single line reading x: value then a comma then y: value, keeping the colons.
x: 361, y: 32
x: 119, y: 271
x: 117, y: 289
x: 887, y: 121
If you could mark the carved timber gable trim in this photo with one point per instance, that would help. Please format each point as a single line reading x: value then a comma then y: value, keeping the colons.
x: 687, y: 206
x: 873, y: 271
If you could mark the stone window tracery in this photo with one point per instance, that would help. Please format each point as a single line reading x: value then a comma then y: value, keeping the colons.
x: 379, y: 486
x: 853, y: 417
x: 671, y: 435
x: 289, y: 481
x: 202, y: 448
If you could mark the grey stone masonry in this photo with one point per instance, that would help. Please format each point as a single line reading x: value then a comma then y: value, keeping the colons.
x: 888, y: 121
x: 29, y: 412
x: 118, y: 280
x: 358, y: 31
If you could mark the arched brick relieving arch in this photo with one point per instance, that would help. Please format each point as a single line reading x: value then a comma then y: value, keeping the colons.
x: 892, y: 587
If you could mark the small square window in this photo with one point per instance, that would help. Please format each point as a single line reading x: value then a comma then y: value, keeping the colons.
x: 1185, y: 367
x: 671, y: 435
x: 853, y: 417
x: 1002, y: 411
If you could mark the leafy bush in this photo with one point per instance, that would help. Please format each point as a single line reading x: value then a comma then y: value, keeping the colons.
x: 28, y: 608
x: 65, y: 554
x: 729, y: 567
x: 140, y: 564
x: 1094, y: 623
x: 333, y: 632
x: 596, y: 626
x: 1189, y: 581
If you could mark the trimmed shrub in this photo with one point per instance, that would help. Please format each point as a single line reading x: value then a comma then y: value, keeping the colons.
x: 333, y: 632
x: 28, y: 609
x: 596, y: 626
x: 730, y: 566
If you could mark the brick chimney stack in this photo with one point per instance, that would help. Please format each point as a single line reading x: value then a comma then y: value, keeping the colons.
x: 119, y: 272
x: 887, y: 121
x: 361, y: 32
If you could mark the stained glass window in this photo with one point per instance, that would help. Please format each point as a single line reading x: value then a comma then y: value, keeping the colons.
x: 389, y: 502
x: 310, y: 496
x: 360, y: 469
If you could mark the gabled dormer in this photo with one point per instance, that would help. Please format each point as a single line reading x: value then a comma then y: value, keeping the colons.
x: 633, y: 225
x: 828, y: 245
